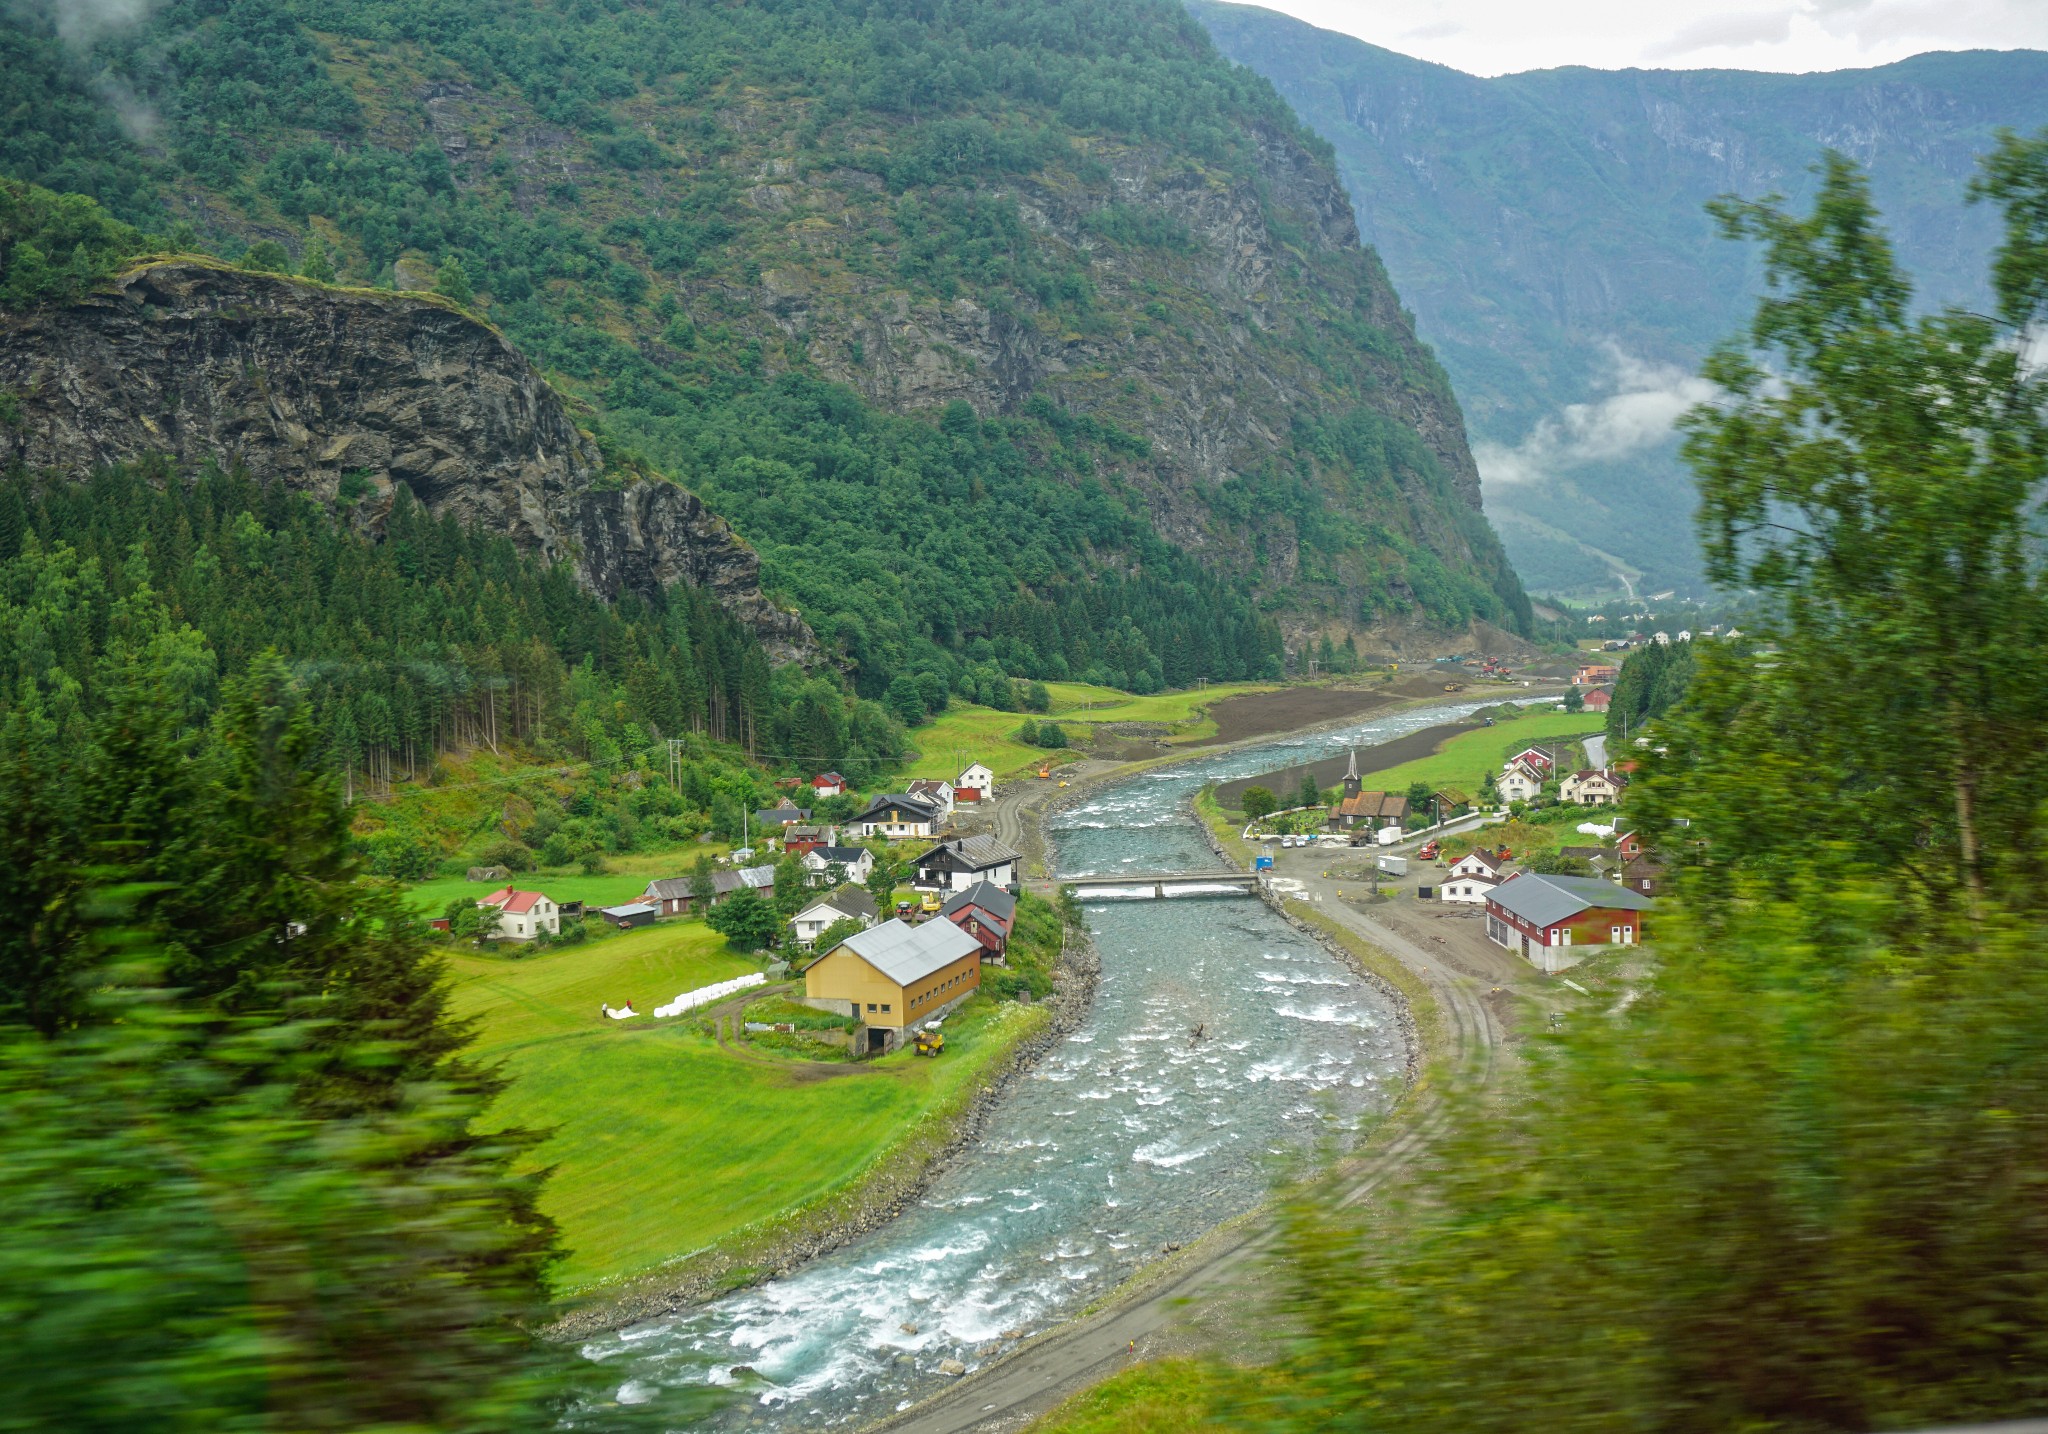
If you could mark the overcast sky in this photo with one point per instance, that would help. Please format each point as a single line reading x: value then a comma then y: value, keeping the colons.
x: 1494, y: 37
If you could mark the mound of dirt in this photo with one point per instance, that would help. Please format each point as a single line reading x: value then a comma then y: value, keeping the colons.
x: 1258, y: 714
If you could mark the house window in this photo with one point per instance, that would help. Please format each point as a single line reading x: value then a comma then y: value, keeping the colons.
x: 871, y: 1005
x: 885, y: 1006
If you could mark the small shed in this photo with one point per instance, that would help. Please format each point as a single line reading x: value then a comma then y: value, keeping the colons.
x: 636, y: 913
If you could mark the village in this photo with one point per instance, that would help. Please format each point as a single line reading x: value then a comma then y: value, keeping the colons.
x: 1537, y: 862
x: 825, y: 896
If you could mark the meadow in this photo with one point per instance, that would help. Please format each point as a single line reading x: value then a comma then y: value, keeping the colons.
x: 966, y: 733
x: 1460, y: 760
x: 662, y: 1142
x: 625, y: 877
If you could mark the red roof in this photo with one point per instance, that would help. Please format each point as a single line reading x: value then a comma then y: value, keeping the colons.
x: 512, y: 902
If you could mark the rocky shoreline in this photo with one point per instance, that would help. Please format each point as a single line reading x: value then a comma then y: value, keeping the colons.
x: 893, y: 1187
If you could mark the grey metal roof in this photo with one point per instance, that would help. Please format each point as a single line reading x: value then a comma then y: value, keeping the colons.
x: 1542, y: 900
x: 988, y: 896
x: 670, y: 888
x: 907, y: 954
x: 636, y: 908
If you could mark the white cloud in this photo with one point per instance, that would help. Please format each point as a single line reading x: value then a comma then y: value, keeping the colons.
x: 1645, y: 399
x: 80, y: 22
x: 1766, y: 27
x: 1496, y: 37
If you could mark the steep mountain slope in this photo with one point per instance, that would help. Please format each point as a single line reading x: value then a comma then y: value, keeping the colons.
x: 318, y: 387
x: 1548, y: 230
x: 1178, y: 404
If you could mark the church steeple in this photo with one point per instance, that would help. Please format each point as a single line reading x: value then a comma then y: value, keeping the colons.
x: 1351, y: 782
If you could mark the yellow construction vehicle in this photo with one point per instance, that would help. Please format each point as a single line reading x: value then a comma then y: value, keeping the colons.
x: 930, y: 1043
x: 930, y: 902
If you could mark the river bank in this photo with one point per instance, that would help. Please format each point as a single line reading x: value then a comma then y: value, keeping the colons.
x: 898, y: 1177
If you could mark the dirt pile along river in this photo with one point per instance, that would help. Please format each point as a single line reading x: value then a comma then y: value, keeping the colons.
x: 1129, y: 1136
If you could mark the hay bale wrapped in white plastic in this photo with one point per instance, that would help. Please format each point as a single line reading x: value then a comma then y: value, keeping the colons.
x: 709, y: 995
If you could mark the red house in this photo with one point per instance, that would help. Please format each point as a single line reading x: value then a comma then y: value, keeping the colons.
x: 828, y: 784
x: 1542, y: 917
x: 1628, y: 847
x: 987, y: 913
x: 1599, y: 700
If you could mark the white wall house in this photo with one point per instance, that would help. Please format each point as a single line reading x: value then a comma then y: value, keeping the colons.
x: 1519, y: 784
x: 849, y: 902
x: 524, y: 914
x: 1589, y: 789
x: 1469, y: 889
x: 977, y: 778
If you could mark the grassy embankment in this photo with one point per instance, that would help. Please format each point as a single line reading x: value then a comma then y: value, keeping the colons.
x: 1164, y: 1397
x: 1459, y: 761
x: 966, y: 733
x: 665, y: 1144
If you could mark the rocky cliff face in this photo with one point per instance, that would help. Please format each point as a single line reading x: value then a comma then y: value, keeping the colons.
x: 303, y: 384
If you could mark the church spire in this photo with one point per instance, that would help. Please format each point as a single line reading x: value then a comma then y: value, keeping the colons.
x: 1351, y: 782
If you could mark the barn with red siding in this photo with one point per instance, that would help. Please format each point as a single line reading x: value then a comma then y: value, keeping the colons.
x: 1543, y: 917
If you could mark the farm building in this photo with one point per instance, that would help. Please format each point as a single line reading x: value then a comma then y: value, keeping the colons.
x: 894, y: 975
x: 638, y: 913
x: 669, y: 895
x: 1543, y: 917
x: 828, y: 784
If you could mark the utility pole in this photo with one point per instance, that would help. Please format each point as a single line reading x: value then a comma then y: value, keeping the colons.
x: 675, y: 763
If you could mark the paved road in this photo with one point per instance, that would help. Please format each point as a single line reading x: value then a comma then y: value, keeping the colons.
x: 1596, y: 751
x: 1008, y: 1395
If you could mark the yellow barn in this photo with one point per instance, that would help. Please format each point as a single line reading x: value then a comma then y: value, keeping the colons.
x: 892, y: 976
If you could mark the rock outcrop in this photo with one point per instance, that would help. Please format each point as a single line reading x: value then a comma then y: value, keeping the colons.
x: 308, y: 385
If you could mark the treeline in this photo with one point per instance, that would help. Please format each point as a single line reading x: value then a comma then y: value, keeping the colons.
x: 436, y: 637
x: 1653, y: 679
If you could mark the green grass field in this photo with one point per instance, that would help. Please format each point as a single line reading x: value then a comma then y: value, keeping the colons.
x: 627, y: 878
x: 1459, y: 761
x: 966, y: 733
x: 663, y: 1143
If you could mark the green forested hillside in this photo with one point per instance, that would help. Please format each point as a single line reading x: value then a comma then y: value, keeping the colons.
x: 1030, y: 333
x: 1550, y: 231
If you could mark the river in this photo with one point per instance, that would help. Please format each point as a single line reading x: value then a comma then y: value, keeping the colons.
x: 1127, y: 1137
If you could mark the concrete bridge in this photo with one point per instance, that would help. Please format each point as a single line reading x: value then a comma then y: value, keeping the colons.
x: 1150, y: 885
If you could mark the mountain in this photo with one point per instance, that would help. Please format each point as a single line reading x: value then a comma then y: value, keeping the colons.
x: 1548, y: 230
x: 1030, y: 332
x: 326, y: 390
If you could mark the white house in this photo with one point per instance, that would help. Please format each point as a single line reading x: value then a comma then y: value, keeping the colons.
x: 954, y: 866
x: 1519, y: 784
x: 847, y: 903
x: 1589, y: 789
x: 979, y: 781
x: 523, y: 914
x: 895, y: 815
x: 935, y: 791
x: 1469, y: 889
x: 856, y: 861
x: 1477, y: 864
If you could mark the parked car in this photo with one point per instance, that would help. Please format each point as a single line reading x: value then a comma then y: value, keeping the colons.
x: 1430, y: 850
